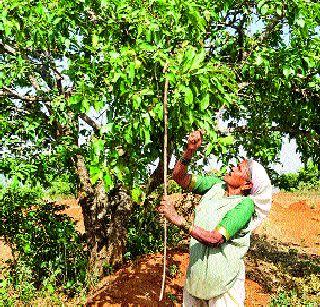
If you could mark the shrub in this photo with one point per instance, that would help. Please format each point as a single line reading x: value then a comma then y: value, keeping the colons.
x: 46, y: 247
x: 291, y: 298
x: 288, y: 182
x: 307, y: 178
x: 60, y: 187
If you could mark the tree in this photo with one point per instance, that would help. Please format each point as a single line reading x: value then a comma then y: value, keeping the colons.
x: 104, y: 63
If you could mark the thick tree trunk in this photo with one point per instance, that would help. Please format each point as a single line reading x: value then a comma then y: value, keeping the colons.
x: 105, y: 219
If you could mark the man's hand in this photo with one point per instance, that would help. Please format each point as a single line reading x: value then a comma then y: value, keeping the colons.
x: 167, y: 208
x: 195, y: 140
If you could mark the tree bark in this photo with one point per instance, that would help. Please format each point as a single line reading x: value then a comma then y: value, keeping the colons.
x: 105, y: 219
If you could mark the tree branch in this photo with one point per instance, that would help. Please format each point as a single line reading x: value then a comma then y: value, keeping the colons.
x: 270, y: 27
x: 10, y: 93
x: 7, y: 48
x: 11, y: 50
x: 88, y: 120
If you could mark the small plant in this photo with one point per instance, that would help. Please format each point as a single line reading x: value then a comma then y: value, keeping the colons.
x: 107, y: 268
x: 173, y: 270
x: 292, y: 298
x: 171, y: 297
x: 5, y: 291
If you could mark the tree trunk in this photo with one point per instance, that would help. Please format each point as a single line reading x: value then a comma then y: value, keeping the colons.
x: 105, y: 219
x: 157, y: 177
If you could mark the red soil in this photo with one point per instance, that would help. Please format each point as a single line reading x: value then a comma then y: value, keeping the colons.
x: 139, y: 284
x: 295, y: 220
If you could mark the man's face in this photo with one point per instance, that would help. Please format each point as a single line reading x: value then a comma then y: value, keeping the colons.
x: 238, y: 175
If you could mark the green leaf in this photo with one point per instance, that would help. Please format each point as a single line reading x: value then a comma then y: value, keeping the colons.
x: 197, y: 60
x: 204, y: 103
x: 136, y: 102
x: 286, y: 71
x: 95, y: 40
x: 50, y: 288
x: 128, y: 134
x: 116, y: 77
x: 209, y: 149
x: 98, y: 105
x: 104, y: 3
x: 118, y: 172
x: 131, y: 73
x: 108, y: 183
x: 188, y: 98
x: 85, y: 106
x: 98, y: 146
x: 264, y: 9
x: 95, y: 173
x: 258, y: 60
x: 226, y: 141
x: 67, y: 43
x: 301, y: 22
x: 136, y: 194
x: 188, y: 57
x: 146, y: 136
x: 27, y: 248
x: 107, y: 128
x: 73, y: 100
x: 147, y: 92
x: 213, y: 135
x: 158, y: 111
x: 146, y: 117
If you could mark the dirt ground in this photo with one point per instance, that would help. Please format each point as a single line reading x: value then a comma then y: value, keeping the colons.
x: 293, y: 224
x: 139, y: 284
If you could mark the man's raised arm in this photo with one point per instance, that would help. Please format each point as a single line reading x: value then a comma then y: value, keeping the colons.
x: 180, y: 174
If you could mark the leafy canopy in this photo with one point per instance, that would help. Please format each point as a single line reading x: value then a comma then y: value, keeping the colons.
x: 66, y: 63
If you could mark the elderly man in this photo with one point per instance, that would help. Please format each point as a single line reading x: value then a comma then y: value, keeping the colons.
x: 223, y: 222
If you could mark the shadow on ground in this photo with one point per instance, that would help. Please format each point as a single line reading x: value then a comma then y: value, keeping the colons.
x: 277, y: 266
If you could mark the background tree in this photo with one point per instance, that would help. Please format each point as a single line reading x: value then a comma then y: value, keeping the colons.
x: 69, y: 65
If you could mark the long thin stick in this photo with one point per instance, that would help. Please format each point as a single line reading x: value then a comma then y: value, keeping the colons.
x: 165, y: 162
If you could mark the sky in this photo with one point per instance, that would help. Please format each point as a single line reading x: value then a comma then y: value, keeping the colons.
x: 290, y: 161
x: 289, y: 158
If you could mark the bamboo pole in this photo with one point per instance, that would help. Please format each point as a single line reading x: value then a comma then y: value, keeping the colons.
x: 165, y: 171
